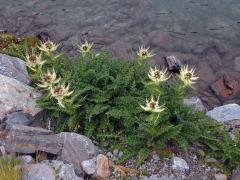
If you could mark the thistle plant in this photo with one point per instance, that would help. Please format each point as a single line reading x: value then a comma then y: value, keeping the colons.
x: 125, y: 105
x: 144, y: 53
x: 85, y: 48
x: 34, y: 61
x: 48, y: 46
x: 48, y: 79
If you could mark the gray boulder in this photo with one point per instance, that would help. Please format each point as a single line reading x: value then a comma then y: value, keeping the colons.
x: 63, y: 171
x: 37, y: 172
x: 25, y: 139
x: 17, y: 96
x: 194, y: 102
x: 226, y: 113
x: 76, y: 148
x: 14, y: 67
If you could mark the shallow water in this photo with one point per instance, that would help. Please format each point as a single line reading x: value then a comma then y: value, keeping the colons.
x: 203, y: 33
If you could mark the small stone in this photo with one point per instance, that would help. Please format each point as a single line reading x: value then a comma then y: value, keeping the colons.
x: 174, y: 64
x: 120, y: 154
x: 195, y: 102
x: 156, y: 158
x: 103, y: 169
x: 180, y: 164
x: 220, y: 177
x: 89, y: 166
x: 110, y: 155
x: 37, y: 172
x: 27, y: 159
x: 115, y: 152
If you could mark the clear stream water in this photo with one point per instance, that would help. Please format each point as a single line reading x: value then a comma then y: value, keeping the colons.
x: 203, y: 33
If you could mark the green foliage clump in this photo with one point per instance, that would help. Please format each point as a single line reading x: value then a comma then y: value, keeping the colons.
x: 104, y: 99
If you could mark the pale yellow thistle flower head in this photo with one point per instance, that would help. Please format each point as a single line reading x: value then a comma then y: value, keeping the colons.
x: 48, y: 46
x: 60, y: 92
x: 144, y: 53
x: 85, y: 47
x: 187, y: 75
x: 153, y: 106
x: 49, y: 79
x: 158, y: 76
x: 33, y: 61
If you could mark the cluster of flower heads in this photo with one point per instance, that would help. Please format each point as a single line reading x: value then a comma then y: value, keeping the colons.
x: 186, y: 75
x: 48, y: 80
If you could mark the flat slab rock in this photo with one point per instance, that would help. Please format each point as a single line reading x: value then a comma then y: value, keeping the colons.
x: 17, y: 96
x: 226, y: 113
x: 14, y: 67
x: 24, y: 139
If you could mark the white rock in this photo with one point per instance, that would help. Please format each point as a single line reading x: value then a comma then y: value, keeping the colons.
x: 89, y: 166
x: 180, y: 164
x: 225, y: 113
x: 17, y: 96
x: 195, y: 102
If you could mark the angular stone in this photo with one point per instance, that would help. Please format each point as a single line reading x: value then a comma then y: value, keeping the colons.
x: 103, y: 169
x: 195, y: 102
x: 76, y: 148
x: 225, y: 113
x: 17, y: 96
x: 37, y: 172
x: 180, y: 164
x: 174, y: 64
x: 14, y: 67
x: 19, y: 118
x: 63, y: 171
x: 89, y: 166
x: 24, y: 139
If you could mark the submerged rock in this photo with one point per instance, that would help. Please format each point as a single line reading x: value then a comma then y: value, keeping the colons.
x: 225, y: 113
x: 14, y: 67
x: 17, y: 96
x: 195, y: 102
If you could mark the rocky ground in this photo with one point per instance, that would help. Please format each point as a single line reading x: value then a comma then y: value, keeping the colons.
x: 203, y: 34
x: 65, y: 156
